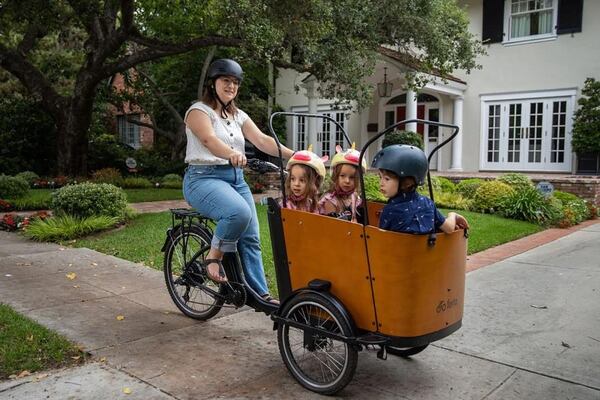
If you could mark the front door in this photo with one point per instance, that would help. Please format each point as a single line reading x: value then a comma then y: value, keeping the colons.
x: 528, y: 135
x: 428, y: 133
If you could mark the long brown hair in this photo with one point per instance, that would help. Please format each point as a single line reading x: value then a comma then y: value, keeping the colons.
x: 335, y: 175
x: 209, y: 96
x: 312, y: 188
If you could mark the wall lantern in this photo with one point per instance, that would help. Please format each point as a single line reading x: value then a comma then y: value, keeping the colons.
x: 384, y: 89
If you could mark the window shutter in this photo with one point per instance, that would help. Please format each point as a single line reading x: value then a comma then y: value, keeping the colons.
x: 493, y: 21
x: 569, y: 16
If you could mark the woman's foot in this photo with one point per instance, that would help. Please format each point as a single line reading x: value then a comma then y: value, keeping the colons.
x: 214, y: 270
x: 270, y: 299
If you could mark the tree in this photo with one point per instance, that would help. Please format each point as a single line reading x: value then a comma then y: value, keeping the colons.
x: 586, y: 127
x: 337, y: 41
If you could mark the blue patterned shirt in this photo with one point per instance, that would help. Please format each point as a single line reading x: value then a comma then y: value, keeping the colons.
x: 411, y: 213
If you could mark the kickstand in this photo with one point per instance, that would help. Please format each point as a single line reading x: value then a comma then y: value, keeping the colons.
x: 382, y: 353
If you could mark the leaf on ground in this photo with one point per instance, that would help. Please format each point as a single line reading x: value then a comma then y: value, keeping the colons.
x: 539, y: 307
x: 120, y: 317
x: 126, y: 390
x: 39, y: 377
x: 102, y: 359
x: 30, y: 338
x: 94, y: 264
x: 76, y: 286
x: 71, y: 275
x: 23, y: 374
x: 565, y: 344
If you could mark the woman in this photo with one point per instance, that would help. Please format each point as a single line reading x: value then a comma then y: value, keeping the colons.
x: 214, y: 183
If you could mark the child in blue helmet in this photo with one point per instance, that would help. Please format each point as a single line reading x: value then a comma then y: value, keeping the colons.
x: 402, y: 169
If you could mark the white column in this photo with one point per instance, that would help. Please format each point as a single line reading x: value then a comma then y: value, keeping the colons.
x: 457, y: 119
x: 311, y: 123
x: 411, y: 109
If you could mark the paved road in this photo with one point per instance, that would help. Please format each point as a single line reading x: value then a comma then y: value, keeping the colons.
x: 531, y: 331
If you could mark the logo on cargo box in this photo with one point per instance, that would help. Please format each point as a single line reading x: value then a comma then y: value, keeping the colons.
x: 446, y: 305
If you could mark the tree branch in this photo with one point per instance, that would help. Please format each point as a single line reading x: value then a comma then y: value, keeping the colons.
x: 161, y: 97
x: 33, y: 80
x: 153, y: 126
x: 207, y: 61
x: 33, y: 34
x: 161, y: 49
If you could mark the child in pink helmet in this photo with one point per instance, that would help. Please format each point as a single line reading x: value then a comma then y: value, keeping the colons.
x: 343, y: 200
x: 306, y: 173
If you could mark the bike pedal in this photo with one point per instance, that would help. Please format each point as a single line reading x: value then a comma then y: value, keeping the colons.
x: 382, y: 353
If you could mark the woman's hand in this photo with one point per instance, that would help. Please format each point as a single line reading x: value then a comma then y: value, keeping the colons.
x: 237, y: 159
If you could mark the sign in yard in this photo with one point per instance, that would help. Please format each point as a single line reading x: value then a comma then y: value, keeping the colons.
x: 545, y: 188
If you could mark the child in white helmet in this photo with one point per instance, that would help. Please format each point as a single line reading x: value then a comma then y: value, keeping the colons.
x: 306, y: 173
x: 342, y: 200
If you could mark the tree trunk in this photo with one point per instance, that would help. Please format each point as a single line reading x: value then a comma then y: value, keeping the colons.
x: 178, y: 149
x: 72, y: 138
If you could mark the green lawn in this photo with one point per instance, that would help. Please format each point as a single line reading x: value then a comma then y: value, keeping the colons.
x: 39, y: 199
x: 28, y: 346
x: 143, y: 237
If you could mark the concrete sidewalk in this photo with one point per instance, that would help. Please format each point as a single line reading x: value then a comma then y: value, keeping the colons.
x: 531, y: 330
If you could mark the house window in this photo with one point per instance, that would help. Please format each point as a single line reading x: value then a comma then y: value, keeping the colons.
x: 328, y: 133
x: 493, y: 139
x: 530, y: 19
x: 129, y: 133
x: 559, y: 121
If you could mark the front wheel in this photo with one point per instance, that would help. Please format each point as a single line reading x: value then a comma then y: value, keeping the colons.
x: 319, y: 363
x: 187, y: 284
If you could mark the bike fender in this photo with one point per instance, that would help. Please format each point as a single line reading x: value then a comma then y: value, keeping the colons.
x: 167, y: 240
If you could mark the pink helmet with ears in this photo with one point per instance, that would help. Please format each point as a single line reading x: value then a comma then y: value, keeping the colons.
x: 307, y: 157
x: 350, y: 156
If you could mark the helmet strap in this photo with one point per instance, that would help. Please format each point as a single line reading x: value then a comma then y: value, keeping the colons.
x: 338, y: 192
x: 224, y: 107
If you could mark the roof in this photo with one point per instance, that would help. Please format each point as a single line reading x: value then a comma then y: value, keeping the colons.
x: 414, y: 63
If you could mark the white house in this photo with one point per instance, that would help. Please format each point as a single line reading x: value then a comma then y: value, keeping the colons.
x: 515, y: 113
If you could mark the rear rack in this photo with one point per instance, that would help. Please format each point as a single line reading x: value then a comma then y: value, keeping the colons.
x: 187, y: 217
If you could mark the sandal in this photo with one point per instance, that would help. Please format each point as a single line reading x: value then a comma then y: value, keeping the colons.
x: 218, y: 279
x: 270, y: 299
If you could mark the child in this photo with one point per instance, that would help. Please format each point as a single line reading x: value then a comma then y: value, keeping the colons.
x: 401, y: 170
x: 343, y: 201
x: 306, y: 173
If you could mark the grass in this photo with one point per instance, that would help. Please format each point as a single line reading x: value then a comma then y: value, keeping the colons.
x: 67, y: 227
x: 491, y: 230
x: 40, y: 199
x: 28, y: 346
x: 141, y: 240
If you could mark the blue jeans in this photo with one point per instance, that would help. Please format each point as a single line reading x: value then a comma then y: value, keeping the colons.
x: 219, y: 192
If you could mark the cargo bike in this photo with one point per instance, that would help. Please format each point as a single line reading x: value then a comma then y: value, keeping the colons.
x: 344, y: 286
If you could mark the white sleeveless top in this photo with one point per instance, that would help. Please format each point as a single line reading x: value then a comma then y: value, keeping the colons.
x: 228, y: 131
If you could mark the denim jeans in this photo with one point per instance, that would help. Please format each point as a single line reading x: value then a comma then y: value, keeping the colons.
x: 219, y: 192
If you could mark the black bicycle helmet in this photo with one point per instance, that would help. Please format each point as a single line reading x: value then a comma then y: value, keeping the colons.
x: 225, y: 66
x: 403, y: 160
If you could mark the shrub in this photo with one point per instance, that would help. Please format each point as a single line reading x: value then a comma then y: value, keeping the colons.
x: 527, y: 204
x: 372, y: 188
x: 12, y: 187
x: 452, y: 200
x: 577, y: 210
x: 67, y: 227
x: 28, y: 176
x: 5, y: 206
x: 136, y: 183
x: 87, y: 199
x: 403, y: 137
x: 171, y: 185
x: 172, y: 178
x: 446, y: 185
x: 564, y: 197
x: 586, y: 125
x: 468, y: 187
x: 489, y: 196
x: 516, y: 181
x: 107, y: 175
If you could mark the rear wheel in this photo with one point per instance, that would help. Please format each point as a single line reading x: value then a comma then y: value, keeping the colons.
x: 405, y: 351
x: 319, y: 363
x: 186, y: 280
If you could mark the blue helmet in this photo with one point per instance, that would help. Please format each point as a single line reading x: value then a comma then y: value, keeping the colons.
x: 403, y: 160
